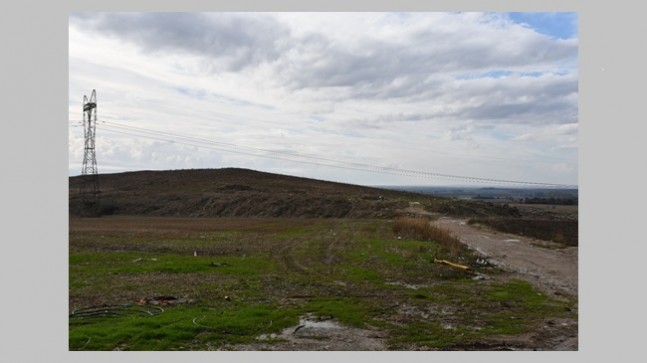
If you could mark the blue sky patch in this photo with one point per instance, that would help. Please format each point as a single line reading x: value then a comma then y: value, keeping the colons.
x: 500, y: 74
x: 497, y: 73
x: 197, y: 94
x: 501, y: 136
x: 561, y: 25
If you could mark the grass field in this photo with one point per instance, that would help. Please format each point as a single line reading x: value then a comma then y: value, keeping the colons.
x: 229, y: 280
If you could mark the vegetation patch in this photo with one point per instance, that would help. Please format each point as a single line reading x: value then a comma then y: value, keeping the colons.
x: 421, y: 229
x: 179, y: 328
x: 469, y: 208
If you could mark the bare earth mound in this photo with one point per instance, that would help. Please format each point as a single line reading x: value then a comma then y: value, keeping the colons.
x: 234, y: 192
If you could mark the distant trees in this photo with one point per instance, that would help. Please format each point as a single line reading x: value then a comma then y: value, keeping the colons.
x: 551, y: 201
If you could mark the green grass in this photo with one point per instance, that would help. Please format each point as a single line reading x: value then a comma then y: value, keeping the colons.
x: 264, y: 275
x: 180, y: 328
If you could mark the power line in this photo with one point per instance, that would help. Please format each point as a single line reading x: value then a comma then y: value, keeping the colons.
x: 142, y: 132
x: 311, y: 160
x: 260, y: 155
x: 255, y: 149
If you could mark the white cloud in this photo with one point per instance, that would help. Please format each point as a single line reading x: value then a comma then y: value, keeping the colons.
x: 385, y: 89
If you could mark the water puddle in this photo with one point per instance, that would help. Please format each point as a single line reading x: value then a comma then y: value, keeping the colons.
x: 323, y: 333
x: 313, y: 324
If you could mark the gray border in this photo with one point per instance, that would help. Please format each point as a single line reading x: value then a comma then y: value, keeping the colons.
x: 34, y: 255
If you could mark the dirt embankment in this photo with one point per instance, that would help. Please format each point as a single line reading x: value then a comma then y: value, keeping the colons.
x: 234, y: 192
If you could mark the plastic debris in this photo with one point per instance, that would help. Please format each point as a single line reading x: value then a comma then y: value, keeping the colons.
x: 452, y: 264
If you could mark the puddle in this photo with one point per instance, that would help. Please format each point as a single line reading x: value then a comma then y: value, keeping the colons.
x: 313, y: 324
x: 510, y: 240
x: 322, y: 333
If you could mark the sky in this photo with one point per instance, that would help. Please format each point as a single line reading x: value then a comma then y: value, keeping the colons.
x: 363, y: 98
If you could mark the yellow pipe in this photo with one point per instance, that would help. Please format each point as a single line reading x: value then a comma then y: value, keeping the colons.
x: 462, y: 267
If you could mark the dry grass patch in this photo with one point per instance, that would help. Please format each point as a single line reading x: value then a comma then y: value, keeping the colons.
x: 422, y: 229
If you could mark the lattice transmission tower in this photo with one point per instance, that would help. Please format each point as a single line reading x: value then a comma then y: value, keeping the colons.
x: 89, y: 191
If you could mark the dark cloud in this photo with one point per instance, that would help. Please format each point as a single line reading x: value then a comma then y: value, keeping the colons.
x: 373, y: 65
x: 236, y: 40
x: 523, y: 100
x: 386, y: 69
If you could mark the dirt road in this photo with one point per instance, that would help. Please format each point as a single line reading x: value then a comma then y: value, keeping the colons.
x: 547, y: 266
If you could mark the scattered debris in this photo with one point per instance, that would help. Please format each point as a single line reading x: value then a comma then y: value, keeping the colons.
x: 114, y: 311
x: 479, y: 277
x: 482, y: 261
x: 218, y: 264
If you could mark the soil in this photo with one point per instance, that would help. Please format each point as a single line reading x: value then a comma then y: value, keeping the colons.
x: 232, y: 192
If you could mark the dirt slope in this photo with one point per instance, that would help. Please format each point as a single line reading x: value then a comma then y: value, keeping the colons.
x: 234, y: 192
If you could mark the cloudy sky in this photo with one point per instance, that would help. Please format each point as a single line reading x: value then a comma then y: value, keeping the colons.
x: 363, y: 98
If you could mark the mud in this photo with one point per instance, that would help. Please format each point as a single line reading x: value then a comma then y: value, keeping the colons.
x: 317, y: 334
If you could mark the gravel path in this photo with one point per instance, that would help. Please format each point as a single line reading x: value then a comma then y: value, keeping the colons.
x: 546, y: 265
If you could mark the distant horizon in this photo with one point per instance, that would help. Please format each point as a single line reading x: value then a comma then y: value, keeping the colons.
x: 464, y: 186
x: 383, y: 186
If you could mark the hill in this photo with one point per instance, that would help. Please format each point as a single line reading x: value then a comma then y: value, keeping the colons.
x: 232, y: 192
